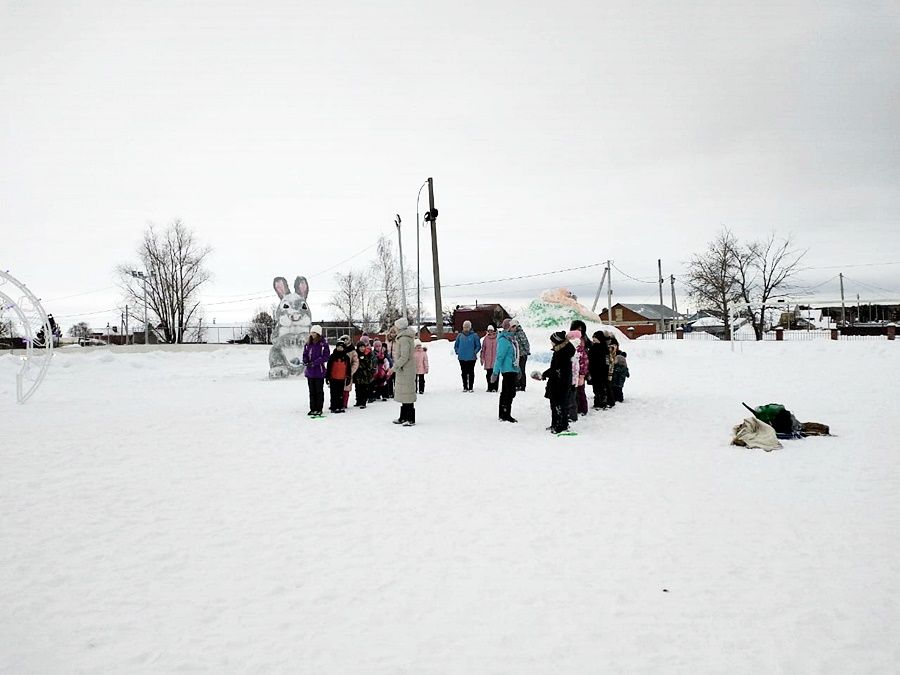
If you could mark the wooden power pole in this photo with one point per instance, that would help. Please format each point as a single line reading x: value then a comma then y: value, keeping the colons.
x: 431, y: 217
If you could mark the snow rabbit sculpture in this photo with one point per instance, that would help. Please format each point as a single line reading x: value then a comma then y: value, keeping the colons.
x: 292, y: 323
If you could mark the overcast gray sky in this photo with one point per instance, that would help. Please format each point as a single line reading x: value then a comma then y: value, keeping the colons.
x: 287, y: 135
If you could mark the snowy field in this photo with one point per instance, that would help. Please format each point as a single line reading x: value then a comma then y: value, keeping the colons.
x: 168, y: 511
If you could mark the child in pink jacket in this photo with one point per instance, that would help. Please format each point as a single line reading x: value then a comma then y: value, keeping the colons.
x: 421, y: 354
x: 488, y: 355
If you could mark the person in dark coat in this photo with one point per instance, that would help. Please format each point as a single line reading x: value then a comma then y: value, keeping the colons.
x: 598, y: 369
x: 620, y: 373
x: 559, y: 380
x: 364, y: 373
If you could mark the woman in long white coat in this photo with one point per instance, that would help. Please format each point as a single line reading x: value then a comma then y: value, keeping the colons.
x: 405, y: 372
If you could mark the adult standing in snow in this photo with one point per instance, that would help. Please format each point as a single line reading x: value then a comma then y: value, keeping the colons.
x: 488, y: 355
x: 315, y: 358
x: 405, y: 373
x: 467, y: 346
x: 506, y: 368
x: 524, y: 351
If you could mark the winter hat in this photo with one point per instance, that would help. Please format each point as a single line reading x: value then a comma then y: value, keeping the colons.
x: 401, y: 323
x: 317, y: 329
x: 467, y: 325
x: 558, y: 337
x: 364, y: 339
x: 578, y: 324
x: 491, y: 329
x: 514, y: 323
x: 344, y: 340
x: 505, y: 324
x: 376, y: 344
x: 599, y: 335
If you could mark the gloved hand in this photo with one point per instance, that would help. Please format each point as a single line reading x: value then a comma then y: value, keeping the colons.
x: 494, y: 378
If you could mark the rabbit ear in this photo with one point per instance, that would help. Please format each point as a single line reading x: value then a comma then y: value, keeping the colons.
x: 280, y: 285
x: 301, y: 288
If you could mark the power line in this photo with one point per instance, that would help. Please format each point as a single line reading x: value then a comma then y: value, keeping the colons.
x: 75, y: 295
x: 877, y: 288
x: 99, y: 311
x: 841, y: 267
x: 375, y: 243
x: 523, y: 276
x: 643, y: 281
x: 806, y: 289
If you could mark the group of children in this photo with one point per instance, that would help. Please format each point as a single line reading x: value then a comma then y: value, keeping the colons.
x: 368, y: 367
x: 576, y: 363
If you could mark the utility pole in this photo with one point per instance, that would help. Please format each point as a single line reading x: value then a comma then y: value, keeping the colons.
x: 137, y: 274
x: 431, y: 217
x: 402, y: 272
x: 843, y: 314
x: 674, y: 302
x: 609, y: 292
x: 858, y: 312
x: 662, y: 317
x: 418, y: 265
x: 599, y: 290
x: 126, y: 324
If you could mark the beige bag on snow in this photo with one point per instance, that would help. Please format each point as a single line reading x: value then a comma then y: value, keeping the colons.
x: 753, y: 433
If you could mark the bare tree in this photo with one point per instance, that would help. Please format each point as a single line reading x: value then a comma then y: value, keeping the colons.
x: 349, y: 298
x: 763, y: 270
x: 774, y: 263
x: 6, y: 324
x: 712, y: 277
x: 385, y: 272
x: 261, y: 327
x: 80, y: 330
x: 176, y: 264
x: 369, y: 311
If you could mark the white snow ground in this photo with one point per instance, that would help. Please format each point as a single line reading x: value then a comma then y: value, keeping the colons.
x: 176, y: 511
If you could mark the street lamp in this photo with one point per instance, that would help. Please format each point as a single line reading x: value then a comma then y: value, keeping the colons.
x: 137, y: 274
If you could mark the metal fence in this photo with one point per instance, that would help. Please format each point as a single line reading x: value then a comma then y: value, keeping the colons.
x: 768, y: 336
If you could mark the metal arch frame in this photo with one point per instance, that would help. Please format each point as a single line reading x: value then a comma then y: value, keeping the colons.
x: 29, y: 310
